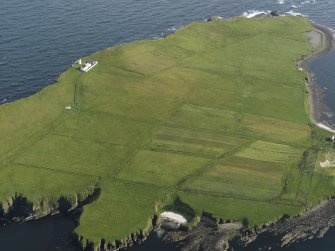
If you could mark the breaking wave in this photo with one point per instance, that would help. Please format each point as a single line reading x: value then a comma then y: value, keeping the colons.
x: 293, y: 13
x: 303, y: 3
x: 253, y: 13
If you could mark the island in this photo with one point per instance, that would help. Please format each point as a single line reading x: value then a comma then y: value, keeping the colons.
x: 211, y: 120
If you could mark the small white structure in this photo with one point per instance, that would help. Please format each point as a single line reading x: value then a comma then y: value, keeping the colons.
x: 88, y: 66
x: 333, y: 138
x: 79, y: 61
x: 68, y: 107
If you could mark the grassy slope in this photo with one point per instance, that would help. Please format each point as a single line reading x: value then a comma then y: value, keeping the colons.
x: 214, y: 113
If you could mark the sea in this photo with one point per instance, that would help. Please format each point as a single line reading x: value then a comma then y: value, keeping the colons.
x: 41, y: 39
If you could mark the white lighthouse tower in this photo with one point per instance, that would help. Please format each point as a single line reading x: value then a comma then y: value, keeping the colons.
x: 79, y: 61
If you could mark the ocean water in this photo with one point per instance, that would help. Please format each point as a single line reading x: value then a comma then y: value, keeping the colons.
x: 40, y: 39
x: 323, y: 69
x: 53, y: 233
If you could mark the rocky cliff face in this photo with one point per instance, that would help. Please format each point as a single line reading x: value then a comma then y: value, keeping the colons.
x: 103, y: 245
x: 19, y: 208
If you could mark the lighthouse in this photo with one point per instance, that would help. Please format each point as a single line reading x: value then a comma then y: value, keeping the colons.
x: 79, y: 61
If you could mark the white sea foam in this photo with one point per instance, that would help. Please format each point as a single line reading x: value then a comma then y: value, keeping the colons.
x: 301, y: 4
x: 281, y: 1
x: 253, y: 13
x: 292, y: 13
x: 308, y: 2
x: 327, y: 128
x: 332, y: 30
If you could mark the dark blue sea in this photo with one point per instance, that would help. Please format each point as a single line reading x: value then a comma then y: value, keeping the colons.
x: 39, y: 39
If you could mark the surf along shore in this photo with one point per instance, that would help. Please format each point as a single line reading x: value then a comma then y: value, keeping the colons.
x: 322, y: 39
x: 202, y: 122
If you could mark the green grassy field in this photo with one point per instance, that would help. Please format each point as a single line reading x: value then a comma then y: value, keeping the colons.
x: 273, y: 152
x: 263, y: 182
x: 213, y: 115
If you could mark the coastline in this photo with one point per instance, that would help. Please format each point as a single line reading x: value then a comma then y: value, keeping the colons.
x: 287, y: 231
x: 322, y: 50
x: 311, y: 223
x: 316, y: 221
x: 324, y: 45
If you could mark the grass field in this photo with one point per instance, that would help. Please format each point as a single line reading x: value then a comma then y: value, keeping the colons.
x: 276, y: 130
x: 43, y: 186
x: 263, y: 182
x: 193, y: 142
x: 213, y: 115
x: 237, y: 209
x: 112, y: 218
x: 267, y: 151
x: 160, y: 168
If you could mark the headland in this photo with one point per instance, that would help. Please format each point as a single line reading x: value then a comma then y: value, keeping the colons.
x: 210, y: 120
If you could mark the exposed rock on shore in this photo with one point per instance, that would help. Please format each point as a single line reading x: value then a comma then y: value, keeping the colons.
x: 206, y: 236
x: 19, y: 208
x: 322, y: 40
x: 314, y: 223
x: 214, y: 18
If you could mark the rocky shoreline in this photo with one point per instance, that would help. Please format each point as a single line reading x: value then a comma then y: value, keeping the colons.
x: 206, y: 235
x: 18, y: 208
x: 325, y: 44
x: 313, y: 223
x: 209, y: 235
x: 133, y: 238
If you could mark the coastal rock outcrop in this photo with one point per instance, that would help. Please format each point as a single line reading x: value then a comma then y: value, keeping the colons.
x: 208, y: 235
x: 286, y: 231
x: 19, y: 208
